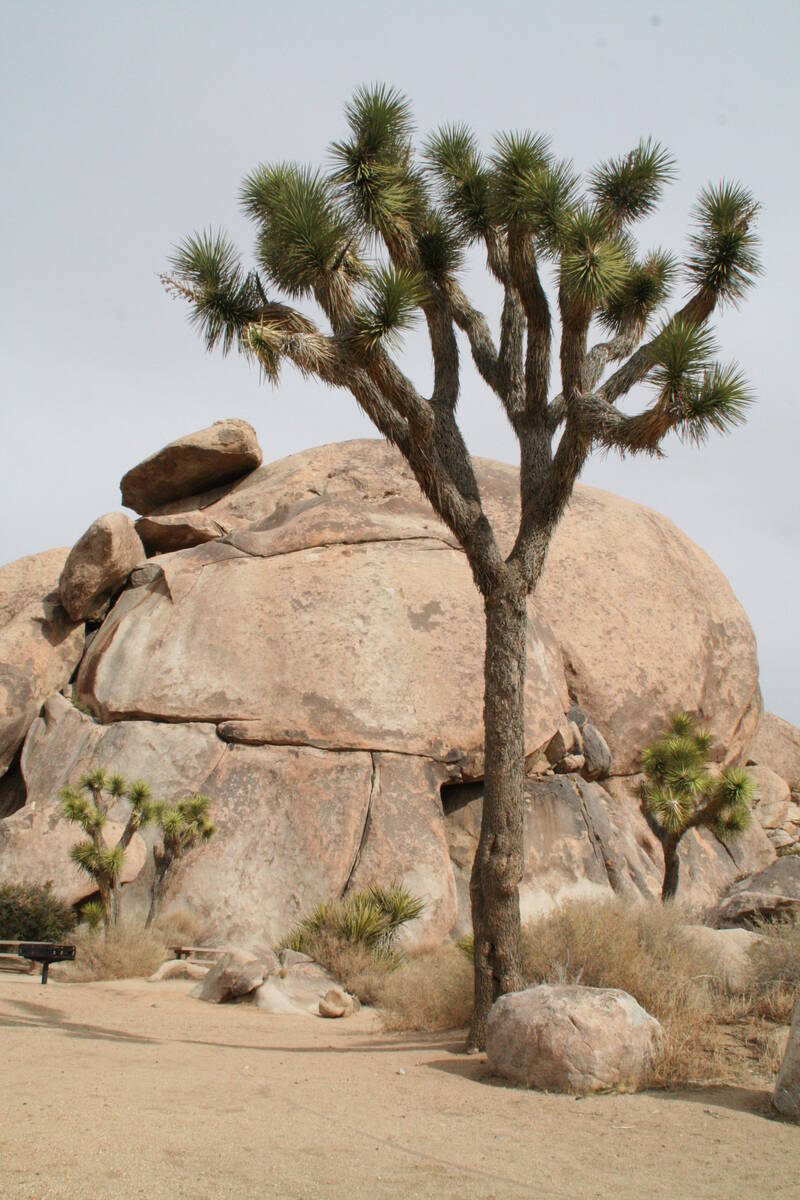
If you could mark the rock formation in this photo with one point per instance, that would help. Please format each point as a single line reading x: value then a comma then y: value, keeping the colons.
x: 571, y: 1039
x: 305, y: 647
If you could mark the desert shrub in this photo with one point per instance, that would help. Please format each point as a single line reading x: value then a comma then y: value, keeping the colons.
x: 432, y: 990
x: 182, y: 926
x: 124, y: 951
x: 370, y: 918
x: 775, y: 962
x: 31, y: 912
x: 641, y: 948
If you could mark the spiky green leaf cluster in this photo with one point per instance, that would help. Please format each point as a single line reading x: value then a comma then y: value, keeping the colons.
x: 98, y: 860
x: 303, y: 235
x: 628, y: 188
x: 696, y: 394
x: 374, y: 174
x: 224, y: 298
x: 595, y: 264
x: 679, y: 790
x: 184, y: 824
x: 392, y: 297
x: 725, y: 258
x: 734, y: 793
x: 454, y: 162
x: 646, y: 288
x: 371, y: 918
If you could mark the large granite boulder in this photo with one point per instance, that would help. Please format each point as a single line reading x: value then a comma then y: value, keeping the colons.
x: 777, y: 745
x: 26, y: 580
x: 767, y: 894
x: 98, y: 565
x: 40, y: 646
x: 571, y: 1039
x: 314, y: 664
x: 212, y: 456
x: 647, y: 615
x: 786, y: 1097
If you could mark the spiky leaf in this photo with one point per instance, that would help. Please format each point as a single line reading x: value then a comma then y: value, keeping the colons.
x: 725, y: 249
x: 628, y: 188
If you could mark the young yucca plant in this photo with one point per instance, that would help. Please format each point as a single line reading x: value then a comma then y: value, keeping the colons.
x: 182, y: 826
x: 370, y: 918
x: 680, y: 793
x: 88, y: 805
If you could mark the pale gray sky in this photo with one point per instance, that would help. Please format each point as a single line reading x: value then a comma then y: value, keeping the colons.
x: 127, y: 125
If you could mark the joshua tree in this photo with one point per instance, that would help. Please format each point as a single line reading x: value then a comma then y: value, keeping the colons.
x: 380, y: 238
x: 182, y: 826
x: 680, y: 794
x: 89, y: 805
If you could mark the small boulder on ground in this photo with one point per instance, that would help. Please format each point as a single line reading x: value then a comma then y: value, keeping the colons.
x: 764, y: 895
x: 786, y: 1097
x: 98, y: 564
x: 202, y: 460
x: 296, y: 989
x: 233, y: 975
x: 338, y: 1003
x: 571, y: 1039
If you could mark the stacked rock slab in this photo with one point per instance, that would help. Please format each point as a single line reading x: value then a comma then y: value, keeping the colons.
x: 224, y: 451
x: 314, y: 664
x: 40, y: 645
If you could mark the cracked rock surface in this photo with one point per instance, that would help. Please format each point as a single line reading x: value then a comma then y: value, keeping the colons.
x: 311, y: 658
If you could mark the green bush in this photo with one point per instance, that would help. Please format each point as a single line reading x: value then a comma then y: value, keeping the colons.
x: 370, y: 918
x: 30, y: 912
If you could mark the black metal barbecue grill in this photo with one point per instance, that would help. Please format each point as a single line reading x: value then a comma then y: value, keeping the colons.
x: 41, y: 952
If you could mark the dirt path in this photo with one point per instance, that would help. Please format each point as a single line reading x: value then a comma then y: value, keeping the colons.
x: 133, y: 1089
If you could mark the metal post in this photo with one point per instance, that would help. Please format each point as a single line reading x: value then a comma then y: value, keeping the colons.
x: 45, y: 966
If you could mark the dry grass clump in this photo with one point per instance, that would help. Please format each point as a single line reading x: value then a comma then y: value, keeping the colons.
x: 711, y: 1031
x: 775, y: 963
x: 356, y: 967
x: 642, y: 949
x: 432, y: 990
x: 128, y: 951
x: 181, y: 926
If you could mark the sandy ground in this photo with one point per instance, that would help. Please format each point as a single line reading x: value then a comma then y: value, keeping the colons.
x: 132, y: 1089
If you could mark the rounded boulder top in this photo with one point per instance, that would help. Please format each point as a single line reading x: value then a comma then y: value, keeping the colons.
x: 206, y: 459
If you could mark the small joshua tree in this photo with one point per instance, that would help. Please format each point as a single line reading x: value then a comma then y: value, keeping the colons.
x: 88, y: 805
x: 680, y: 794
x: 182, y: 827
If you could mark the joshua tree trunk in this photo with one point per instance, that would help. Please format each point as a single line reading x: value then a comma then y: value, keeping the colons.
x: 497, y: 870
x: 106, y: 900
x: 672, y: 866
x: 159, y: 883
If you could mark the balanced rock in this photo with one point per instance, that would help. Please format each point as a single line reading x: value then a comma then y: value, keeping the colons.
x: 571, y: 1039
x: 786, y: 1097
x: 224, y: 451
x: 98, y: 564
